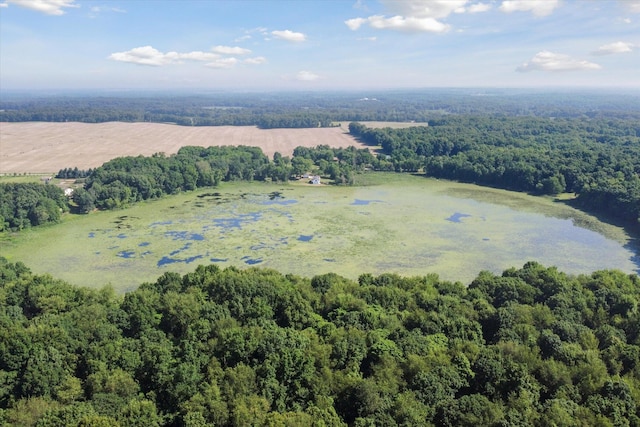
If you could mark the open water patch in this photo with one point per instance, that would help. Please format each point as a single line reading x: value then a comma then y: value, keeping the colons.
x: 219, y: 259
x: 251, y: 261
x: 457, y: 217
x: 238, y: 221
x: 126, y: 254
x: 364, y: 202
x: 168, y: 260
x: 157, y: 223
x: 183, y: 235
x: 143, y: 244
x: 280, y: 202
x: 305, y: 238
x: 177, y: 251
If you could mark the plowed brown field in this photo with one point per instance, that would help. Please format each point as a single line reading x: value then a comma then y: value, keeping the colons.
x: 39, y: 147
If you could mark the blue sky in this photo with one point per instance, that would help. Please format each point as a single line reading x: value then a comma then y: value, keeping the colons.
x: 318, y: 45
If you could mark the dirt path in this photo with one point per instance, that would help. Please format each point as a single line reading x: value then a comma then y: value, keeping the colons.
x: 40, y: 147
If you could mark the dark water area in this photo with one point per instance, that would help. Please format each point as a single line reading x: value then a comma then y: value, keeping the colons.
x: 121, y: 236
x: 251, y: 261
x: 237, y: 222
x: 126, y: 254
x: 167, y: 260
x: 143, y: 244
x: 280, y: 202
x: 457, y: 217
x: 329, y: 259
x: 155, y: 224
x: 304, y: 238
x: 219, y: 259
x: 177, y: 251
x: 92, y: 235
x: 361, y: 202
x: 183, y: 235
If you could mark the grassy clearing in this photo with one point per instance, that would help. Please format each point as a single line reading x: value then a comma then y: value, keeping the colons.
x: 392, y: 223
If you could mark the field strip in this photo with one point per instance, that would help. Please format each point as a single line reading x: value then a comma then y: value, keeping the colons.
x: 42, y: 147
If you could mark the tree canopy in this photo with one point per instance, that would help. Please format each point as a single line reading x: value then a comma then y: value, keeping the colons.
x: 230, y: 347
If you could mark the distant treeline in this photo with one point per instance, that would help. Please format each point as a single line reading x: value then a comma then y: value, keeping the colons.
x: 598, y: 159
x: 73, y: 173
x: 530, y: 347
x: 304, y: 110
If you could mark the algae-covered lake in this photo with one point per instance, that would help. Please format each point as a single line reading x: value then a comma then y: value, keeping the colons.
x: 401, y: 224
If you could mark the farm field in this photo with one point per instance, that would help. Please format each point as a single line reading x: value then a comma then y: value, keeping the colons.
x: 43, y: 148
x: 395, y: 224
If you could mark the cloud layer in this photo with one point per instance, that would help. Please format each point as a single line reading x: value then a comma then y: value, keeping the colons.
x: 549, y: 61
x: 50, y: 7
x: 612, y: 48
x: 428, y: 15
x: 148, y: 55
x: 289, y: 35
x: 537, y: 7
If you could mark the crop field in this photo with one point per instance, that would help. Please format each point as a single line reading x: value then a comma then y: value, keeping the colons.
x: 394, y: 224
x: 39, y: 147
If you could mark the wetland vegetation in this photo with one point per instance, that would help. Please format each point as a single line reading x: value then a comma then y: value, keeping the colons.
x: 403, y: 224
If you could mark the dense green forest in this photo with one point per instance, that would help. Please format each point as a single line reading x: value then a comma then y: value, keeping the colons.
x: 312, y: 109
x: 530, y: 347
x: 23, y: 205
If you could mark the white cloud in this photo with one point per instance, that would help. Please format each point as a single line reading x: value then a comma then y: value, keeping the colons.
x: 148, y: 55
x: 307, y: 76
x: 631, y: 6
x: 96, y: 10
x: 50, y: 7
x: 549, y: 61
x: 256, y: 61
x: 416, y: 15
x: 355, y: 23
x: 222, y: 63
x: 479, y: 7
x: 617, y: 47
x: 289, y: 35
x: 228, y: 50
x: 424, y: 8
x: 537, y: 7
x: 410, y: 24
x: 4, y: 4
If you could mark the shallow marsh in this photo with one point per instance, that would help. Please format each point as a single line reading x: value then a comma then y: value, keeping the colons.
x: 390, y: 223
